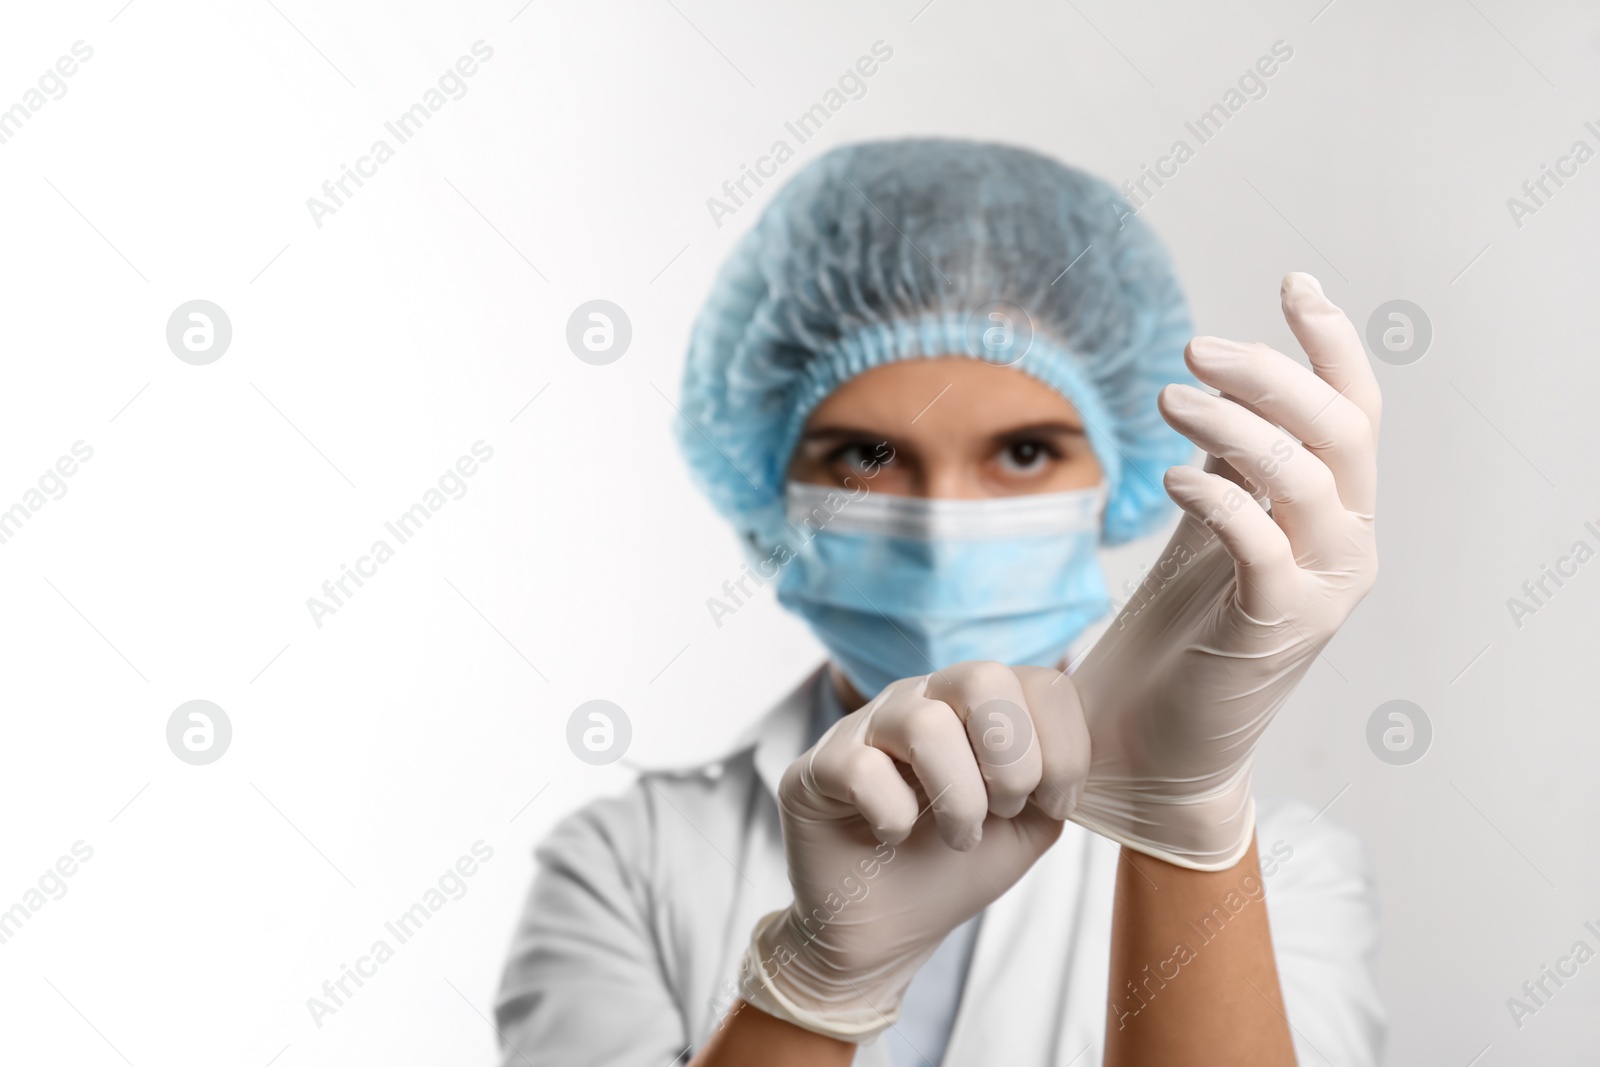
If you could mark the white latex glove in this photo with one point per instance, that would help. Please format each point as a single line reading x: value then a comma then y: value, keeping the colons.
x: 877, y: 884
x: 1179, y: 690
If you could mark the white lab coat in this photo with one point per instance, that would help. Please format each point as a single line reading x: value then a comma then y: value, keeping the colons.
x: 630, y: 942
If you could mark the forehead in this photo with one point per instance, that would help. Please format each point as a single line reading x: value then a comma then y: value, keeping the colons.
x: 942, y: 395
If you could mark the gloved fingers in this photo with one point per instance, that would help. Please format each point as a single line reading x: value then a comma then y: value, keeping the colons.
x: 1263, y: 558
x: 928, y: 736
x: 1305, y: 500
x: 1011, y: 845
x: 1063, y: 738
x: 1218, y: 465
x: 865, y: 779
x: 1332, y: 427
x: 989, y: 700
x: 1332, y: 343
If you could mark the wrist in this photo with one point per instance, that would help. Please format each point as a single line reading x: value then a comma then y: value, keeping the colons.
x: 746, y: 1034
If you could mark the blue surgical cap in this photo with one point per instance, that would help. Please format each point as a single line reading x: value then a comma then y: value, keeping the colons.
x: 892, y: 250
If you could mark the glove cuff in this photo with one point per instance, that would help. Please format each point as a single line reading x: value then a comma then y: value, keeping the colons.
x: 1210, y: 834
x: 773, y: 977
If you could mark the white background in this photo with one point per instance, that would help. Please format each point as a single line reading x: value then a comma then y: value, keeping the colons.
x: 368, y: 354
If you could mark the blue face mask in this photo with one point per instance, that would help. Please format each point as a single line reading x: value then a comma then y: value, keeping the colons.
x: 899, y: 586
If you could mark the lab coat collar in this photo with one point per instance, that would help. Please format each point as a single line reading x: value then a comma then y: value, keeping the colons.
x: 781, y: 734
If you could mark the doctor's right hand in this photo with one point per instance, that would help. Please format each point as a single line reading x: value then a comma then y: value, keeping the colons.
x: 997, y: 756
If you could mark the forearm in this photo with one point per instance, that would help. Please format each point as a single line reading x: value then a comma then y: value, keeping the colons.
x: 1193, y: 978
x: 749, y: 1035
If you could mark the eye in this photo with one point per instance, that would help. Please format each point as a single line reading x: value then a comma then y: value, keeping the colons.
x: 1026, y: 457
x: 861, y: 457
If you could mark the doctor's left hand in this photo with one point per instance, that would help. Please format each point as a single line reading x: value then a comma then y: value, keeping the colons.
x: 997, y: 756
x: 1180, y: 689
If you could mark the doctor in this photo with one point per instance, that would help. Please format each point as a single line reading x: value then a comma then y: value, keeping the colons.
x: 930, y: 382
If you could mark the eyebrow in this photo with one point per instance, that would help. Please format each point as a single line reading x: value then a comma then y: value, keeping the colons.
x: 829, y: 433
x: 1037, y: 428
